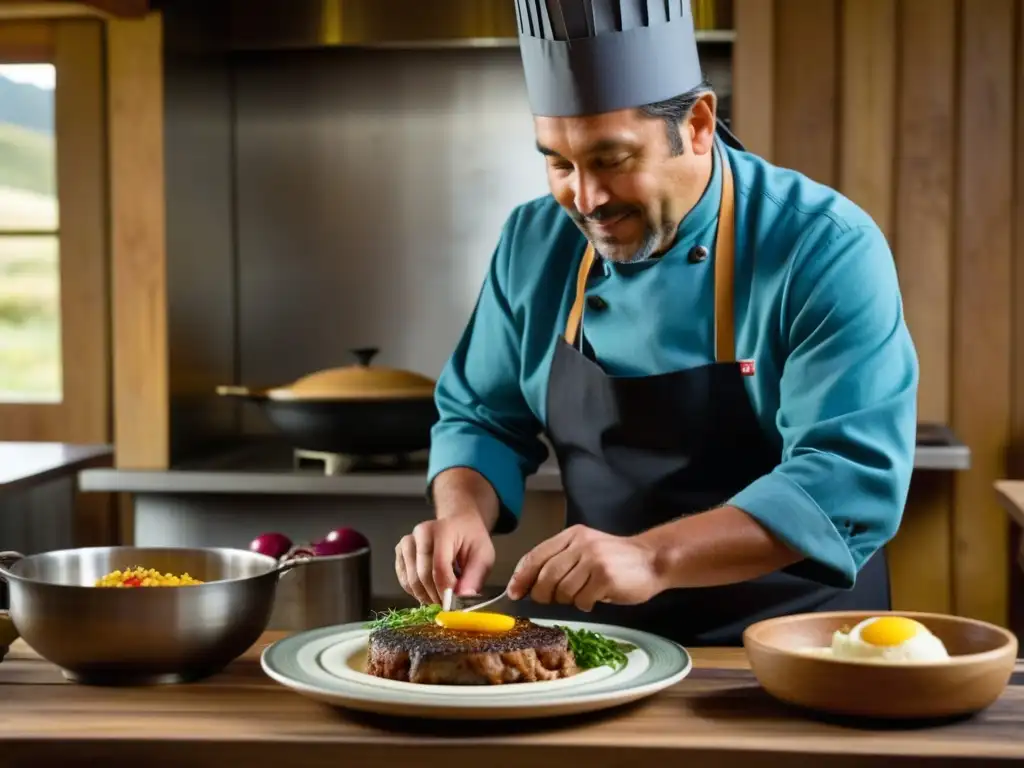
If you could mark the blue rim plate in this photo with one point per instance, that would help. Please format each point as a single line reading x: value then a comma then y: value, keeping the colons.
x: 326, y: 665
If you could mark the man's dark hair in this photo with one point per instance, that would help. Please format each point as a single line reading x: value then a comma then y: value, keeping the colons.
x: 673, y: 111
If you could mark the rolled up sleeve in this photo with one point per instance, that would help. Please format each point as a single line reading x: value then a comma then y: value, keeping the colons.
x: 485, y: 422
x: 848, y: 409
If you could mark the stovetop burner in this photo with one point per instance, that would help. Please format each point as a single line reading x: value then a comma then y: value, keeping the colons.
x: 340, y: 464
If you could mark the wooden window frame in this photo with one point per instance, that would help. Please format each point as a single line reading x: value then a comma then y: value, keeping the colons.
x: 76, y: 48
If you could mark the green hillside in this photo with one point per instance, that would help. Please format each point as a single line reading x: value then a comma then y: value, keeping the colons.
x: 27, y: 160
x: 30, y: 359
x: 26, y: 105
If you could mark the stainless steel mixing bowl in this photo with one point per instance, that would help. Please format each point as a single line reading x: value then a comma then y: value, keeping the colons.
x: 147, y: 635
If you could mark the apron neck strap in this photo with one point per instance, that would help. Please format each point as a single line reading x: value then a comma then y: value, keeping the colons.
x: 725, y: 272
x: 725, y: 331
x: 572, y: 326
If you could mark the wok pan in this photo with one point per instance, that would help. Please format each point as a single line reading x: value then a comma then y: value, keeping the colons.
x: 357, y: 410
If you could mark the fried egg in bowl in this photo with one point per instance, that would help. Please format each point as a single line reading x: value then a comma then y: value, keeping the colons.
x: 924, y: 665
x: 886, y: 640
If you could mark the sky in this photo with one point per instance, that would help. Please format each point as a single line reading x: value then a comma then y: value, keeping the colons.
x: 39, y: 75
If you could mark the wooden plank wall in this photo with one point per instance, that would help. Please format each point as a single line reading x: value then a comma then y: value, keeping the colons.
x: 915, y: 109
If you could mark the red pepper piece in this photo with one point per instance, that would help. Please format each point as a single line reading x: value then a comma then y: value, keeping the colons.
x: 133, y: 582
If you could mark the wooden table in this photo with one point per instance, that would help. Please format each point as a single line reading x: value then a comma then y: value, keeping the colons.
x: 718, y: 716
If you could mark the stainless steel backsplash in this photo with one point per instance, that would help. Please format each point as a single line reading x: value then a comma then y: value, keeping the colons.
x: 372, y: 188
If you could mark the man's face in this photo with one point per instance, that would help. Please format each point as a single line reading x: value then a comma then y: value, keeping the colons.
x: 616, y: 175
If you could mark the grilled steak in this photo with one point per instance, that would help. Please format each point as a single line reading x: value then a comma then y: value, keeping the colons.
x: 431, y: 654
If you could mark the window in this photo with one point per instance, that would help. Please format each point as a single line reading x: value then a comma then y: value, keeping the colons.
x: 54, y: 296
x: 30, y: 317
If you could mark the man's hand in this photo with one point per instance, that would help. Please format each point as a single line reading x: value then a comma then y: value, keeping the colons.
x: 583, y: 567
x: 425, y: 559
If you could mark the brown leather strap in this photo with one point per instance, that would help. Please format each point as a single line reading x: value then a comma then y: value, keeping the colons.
x: 725, y: 274
x: 725, y: 331
x: 576, y: 313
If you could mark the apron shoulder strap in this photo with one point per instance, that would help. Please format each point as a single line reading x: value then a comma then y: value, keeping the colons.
x: 725, y: 272
x: 725, y: 275
x: 572, y: 326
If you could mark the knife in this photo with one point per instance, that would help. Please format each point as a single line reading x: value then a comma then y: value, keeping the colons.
x: 449, y: 601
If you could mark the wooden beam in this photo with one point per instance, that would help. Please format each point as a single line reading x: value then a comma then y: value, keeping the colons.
x: 925, y: 190
x: 14, y: 9
x: 753, y: 81
x: 806, y: 98
x: 138, y: 242
x: 26, y: 42
x: 868, y: 107
x: 120, y: 8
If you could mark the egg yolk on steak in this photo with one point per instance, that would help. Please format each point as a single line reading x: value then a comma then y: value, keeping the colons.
x: 472, y: 621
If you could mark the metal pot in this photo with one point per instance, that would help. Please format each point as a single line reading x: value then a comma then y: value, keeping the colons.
x: 357, y: 410
x: 325, y: 592
x: 146, y: 635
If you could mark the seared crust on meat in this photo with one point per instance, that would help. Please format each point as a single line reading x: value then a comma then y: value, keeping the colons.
x: 431, y: 654
x: 432, y: 638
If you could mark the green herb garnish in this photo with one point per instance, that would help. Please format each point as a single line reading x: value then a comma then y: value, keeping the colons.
x: 593, y: 650
x: 404, y: 617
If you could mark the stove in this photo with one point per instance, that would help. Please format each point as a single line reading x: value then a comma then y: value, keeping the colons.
x: 271, y: 456
x: 340, y: 464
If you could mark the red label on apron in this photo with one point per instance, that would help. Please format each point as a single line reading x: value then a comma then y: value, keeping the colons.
x: 747, y: 367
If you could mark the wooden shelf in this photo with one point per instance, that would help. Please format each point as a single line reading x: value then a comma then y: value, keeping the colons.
x: 87, y: 8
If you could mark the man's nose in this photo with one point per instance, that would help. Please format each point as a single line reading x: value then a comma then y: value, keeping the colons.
x: 590, y: 195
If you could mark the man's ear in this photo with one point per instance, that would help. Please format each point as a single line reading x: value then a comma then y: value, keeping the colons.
x: 700, y: 125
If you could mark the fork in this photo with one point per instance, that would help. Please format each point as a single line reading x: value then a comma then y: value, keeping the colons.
x: 448, y: 601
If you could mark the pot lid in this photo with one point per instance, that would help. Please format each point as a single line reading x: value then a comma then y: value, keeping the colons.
x: 360, y: 381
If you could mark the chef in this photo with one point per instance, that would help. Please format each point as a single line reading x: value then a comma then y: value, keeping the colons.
x: 714, y: 346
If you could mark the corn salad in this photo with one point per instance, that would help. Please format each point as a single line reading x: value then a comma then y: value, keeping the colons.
x: 145, y: 577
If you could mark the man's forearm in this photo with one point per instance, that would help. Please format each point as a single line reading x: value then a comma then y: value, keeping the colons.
x: 460, y: 490
x: 721, y: 546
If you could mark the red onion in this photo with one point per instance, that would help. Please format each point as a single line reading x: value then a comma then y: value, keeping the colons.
x: 271, y: 544
x: 340, y: 541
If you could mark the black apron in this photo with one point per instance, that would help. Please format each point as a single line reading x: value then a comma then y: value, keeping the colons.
x: 637, y: 452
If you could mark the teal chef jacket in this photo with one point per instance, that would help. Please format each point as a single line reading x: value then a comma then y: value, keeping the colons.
x: 818, y: 310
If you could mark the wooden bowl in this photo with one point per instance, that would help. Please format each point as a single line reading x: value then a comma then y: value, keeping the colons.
x: 983, y: 660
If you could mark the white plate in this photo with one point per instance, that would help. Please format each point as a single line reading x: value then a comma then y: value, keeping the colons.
x: 326, y: 664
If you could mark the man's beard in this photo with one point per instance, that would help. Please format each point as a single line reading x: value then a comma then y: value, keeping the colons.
x: 646, y: 250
